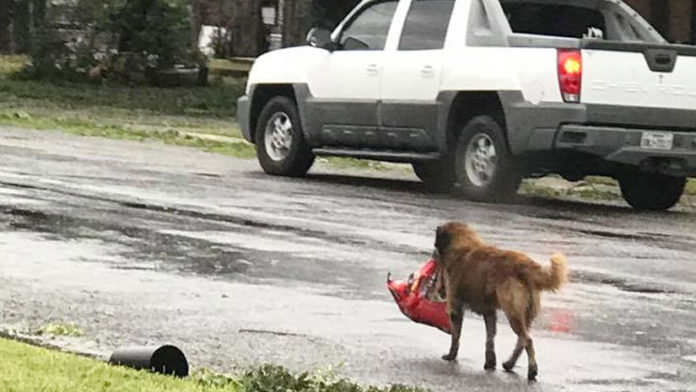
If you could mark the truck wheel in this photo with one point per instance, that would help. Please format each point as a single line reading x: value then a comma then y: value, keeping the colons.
x: 652, y: 191
x: 486, y: 171
x: 280, y: 145
x: 437, y: 176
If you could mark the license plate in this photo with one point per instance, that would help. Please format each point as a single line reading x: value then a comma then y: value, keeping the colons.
x: 657, y: 141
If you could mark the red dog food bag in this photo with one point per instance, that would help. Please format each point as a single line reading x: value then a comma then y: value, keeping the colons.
x: 418, y: 298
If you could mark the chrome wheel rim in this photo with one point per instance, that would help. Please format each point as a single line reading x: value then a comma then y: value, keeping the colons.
x: 481, y: 160
x: 278, y: 136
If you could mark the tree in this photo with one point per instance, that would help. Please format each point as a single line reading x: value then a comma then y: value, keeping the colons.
x: 693, y: 23
x: 154, y: 28
x: 247, y: 33
x: 39, y: 9
x: 19, y: 21
x: 298, y: 19
x: 6, y: 40
x: 195, y: 14
x: 659, y: 15
x: 21, y: 26
x: 241, y: 21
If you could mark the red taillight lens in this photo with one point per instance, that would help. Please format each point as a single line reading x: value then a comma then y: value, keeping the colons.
x: 570, y: 74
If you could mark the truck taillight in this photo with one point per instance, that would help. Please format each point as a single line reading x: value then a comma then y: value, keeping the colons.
x: 570, y: 74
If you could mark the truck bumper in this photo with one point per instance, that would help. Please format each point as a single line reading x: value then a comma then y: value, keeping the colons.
x: 611, y: 133
x: 244, y: 117
x: 623, y: 146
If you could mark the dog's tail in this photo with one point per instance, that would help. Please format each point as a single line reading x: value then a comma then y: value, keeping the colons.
x: 551, y: 279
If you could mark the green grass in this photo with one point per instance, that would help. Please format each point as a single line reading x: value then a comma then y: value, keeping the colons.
x: 530, y: 188
x: 691, y: 187
x: 588, y: 192
x: 236, y: 146
x: 225, y: 67
x: 61, y: 329
x: 11, y: 64
x: 26, y: 369
x: 689, y: 190
x: 353, y: 163
x: 602, y: 180
x: 172, y: 115
x: 592, y: 193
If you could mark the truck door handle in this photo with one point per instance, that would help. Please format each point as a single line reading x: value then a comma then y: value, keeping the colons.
x: 428, y: 71
x: 372, y: 70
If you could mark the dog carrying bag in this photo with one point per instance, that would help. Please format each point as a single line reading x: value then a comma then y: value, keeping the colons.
x: 418, y: 299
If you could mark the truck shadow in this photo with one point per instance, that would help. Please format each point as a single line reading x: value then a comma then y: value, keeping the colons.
x: 588, y: 207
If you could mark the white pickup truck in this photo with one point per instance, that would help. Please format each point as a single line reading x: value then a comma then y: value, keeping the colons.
x: 479, y: 94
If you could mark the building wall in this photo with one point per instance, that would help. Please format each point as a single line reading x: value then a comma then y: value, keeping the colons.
x: 642, y: 6
x: 681, y: 20
x: 675, y: 19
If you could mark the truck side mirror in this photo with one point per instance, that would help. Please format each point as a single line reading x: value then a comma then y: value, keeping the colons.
x: 320, y: 38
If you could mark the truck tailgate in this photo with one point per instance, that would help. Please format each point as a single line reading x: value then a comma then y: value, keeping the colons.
x: 639, y: 75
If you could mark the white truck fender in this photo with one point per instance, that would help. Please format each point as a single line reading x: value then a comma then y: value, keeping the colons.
x: 285, y: 66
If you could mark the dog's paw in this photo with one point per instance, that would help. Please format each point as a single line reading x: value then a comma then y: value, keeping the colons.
x: 508, y: 366
x: 532, y: 373
x: 491, y: 360
x: 450, y: 357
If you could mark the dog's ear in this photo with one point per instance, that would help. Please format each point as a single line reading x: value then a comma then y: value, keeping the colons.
x: 442, y: 240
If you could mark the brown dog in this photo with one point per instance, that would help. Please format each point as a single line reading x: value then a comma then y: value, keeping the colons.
x: 484, y: 278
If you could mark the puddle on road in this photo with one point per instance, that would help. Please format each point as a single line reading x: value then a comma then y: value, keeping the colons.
x: 32, y: 220
x: 208, y: 175
x: 237, y: 254
x: 614, y: 234
x: 620, y: 283
x: 140, y: 244
x: 263, y: 241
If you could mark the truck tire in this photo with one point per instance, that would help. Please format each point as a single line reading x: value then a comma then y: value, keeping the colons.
x: 280, y: 145
x: 437, y: 176
x: 485, y: 168
x: 652, y: 191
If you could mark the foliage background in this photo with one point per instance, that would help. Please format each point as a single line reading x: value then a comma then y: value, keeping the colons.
x: 127, y: 40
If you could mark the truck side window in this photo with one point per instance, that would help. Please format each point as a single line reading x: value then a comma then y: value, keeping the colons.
x: 426, y: 25
x: 369, y: 29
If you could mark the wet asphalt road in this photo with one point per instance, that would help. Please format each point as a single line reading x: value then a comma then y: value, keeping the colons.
x: 141, y: 243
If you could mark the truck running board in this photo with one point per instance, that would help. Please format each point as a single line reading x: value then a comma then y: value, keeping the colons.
x: 387, y: 156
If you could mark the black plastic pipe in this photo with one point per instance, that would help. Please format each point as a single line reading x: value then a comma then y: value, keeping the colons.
x: 166, y: 359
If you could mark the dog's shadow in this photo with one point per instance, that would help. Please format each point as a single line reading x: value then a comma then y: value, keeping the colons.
x: 467, y: 372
